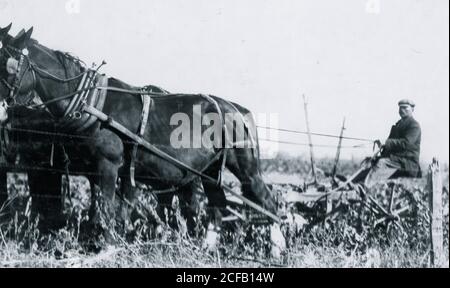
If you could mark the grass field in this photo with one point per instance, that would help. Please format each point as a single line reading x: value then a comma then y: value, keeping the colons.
x: 342, y: 241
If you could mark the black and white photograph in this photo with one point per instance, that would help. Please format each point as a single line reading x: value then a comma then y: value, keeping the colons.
x: 224, y: 134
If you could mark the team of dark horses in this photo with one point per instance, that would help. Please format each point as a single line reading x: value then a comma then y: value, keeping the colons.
x: 29, y: 71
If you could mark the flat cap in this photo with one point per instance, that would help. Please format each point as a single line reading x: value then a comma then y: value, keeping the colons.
x: 406, y: 102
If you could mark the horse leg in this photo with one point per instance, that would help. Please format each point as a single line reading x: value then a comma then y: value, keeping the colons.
x: 45, y: 190
x: 103, y: 213
x: 128, y: 204
x: 242, y: 163
x: 105, y: 149
x: 245, y: 166
x: 216, y: 204
x: 3, y: 195
x: 128, y: 192
x: 164, y: 200
x: 93, y: 183
x: 87, y: 229
x: 190, y: 204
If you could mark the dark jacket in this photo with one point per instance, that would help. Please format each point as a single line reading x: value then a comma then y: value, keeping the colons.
x: 403, y: 146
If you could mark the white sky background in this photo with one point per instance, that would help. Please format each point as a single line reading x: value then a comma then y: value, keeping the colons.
x: 264, y: 54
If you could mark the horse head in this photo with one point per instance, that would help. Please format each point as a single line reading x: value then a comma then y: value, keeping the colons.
x: 16, y: 76
x: 27, y: 67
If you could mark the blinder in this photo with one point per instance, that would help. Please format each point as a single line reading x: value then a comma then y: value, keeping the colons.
x: 14, y: 67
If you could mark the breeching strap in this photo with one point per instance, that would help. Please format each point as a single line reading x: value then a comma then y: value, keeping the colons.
x: 146, y: 102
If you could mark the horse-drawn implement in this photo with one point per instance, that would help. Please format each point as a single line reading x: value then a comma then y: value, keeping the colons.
x: 389, y: 208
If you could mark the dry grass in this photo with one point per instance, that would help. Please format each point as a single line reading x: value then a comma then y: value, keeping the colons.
x: 334, y: 244
x: 185, y: 254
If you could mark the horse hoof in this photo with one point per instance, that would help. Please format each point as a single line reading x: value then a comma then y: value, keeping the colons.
x: 212, y: 237
x: 275, y: 252
x: 278, y: 241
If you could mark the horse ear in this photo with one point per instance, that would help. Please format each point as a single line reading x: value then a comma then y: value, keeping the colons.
x: 20, y: 34
x: 29, y: 32
x: 4, y: 31
x: 21, y: 40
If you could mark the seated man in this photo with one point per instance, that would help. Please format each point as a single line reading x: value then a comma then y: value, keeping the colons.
x: 400, y: 154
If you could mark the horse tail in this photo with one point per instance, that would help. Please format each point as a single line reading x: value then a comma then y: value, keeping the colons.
x: 256, y: 148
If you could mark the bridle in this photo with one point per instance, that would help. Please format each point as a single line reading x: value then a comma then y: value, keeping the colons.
x: 24, y: 66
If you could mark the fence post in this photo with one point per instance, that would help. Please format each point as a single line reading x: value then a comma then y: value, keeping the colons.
x: 435, y: 190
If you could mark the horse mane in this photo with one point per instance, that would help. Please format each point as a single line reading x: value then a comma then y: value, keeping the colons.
x: 72, y: 66
x: 67, y: 59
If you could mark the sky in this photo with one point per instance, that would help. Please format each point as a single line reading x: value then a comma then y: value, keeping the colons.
x: 354, y: 58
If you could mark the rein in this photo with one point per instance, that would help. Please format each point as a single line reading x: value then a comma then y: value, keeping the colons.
x: 114, y: 89
x: 48, y: 75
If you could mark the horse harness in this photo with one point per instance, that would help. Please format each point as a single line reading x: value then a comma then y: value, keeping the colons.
x: 85, y: 109
x: 146, y: 103
x: 73, y: 119
x: 93, y: 90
